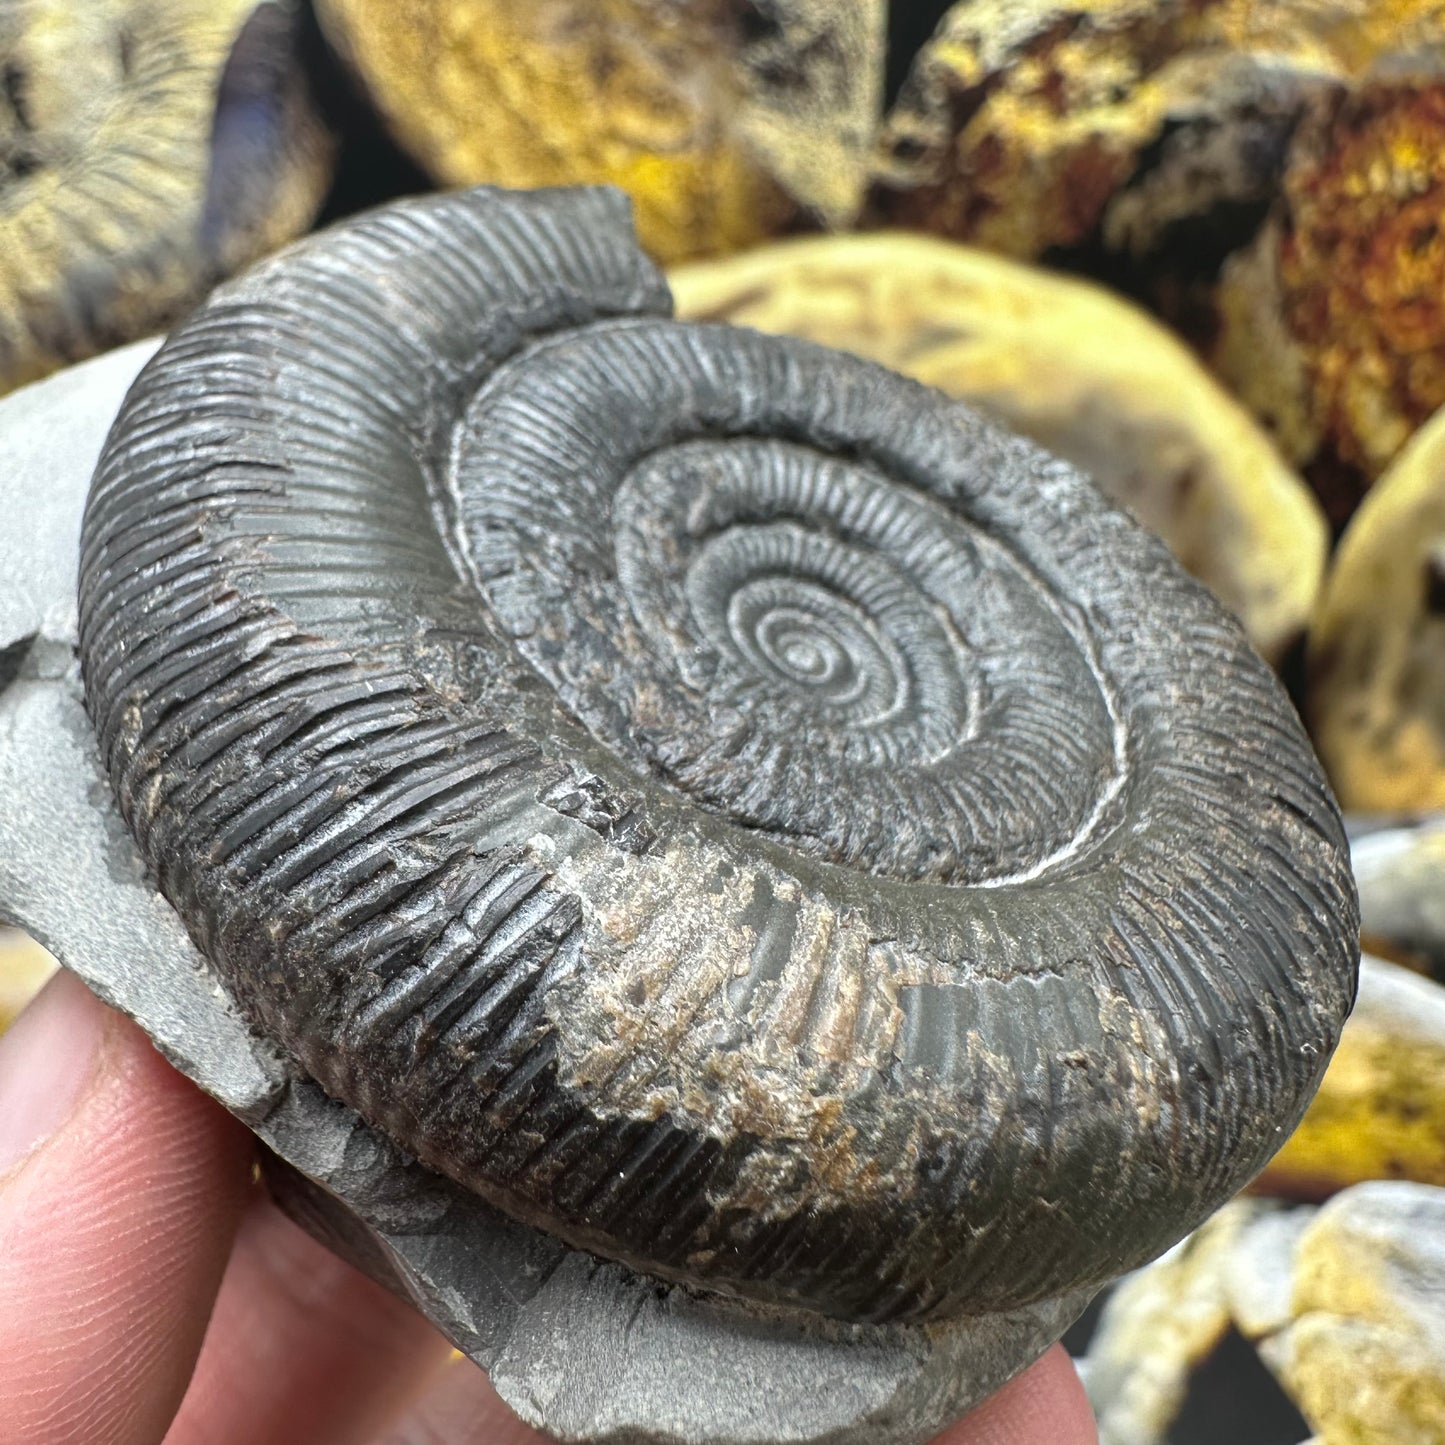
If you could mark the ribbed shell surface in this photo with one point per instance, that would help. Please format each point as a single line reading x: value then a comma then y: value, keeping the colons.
x: 724, y: 803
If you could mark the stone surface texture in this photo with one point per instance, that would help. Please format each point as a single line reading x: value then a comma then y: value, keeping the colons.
x: 1345, y: 1304
x: 1122, y: 130
x: 1266, y: 176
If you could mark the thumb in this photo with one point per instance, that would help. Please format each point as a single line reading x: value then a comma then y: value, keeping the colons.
x: 120, y: 1189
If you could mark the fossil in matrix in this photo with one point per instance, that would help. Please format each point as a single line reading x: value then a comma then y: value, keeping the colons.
x: 724, y: 803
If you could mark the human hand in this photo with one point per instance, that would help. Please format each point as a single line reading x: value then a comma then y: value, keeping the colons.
x: 150, y: 1291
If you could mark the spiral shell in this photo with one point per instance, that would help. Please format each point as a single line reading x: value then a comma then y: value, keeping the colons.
x: 725, y: 803
x: 1073, y: 366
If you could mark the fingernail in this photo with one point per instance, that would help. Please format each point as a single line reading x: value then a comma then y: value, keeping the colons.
x: 46, y: 1060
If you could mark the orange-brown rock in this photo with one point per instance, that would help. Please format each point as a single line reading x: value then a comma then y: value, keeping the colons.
x: 1333, y: 321
x: 1364, y: 1354
x: 726, y: 122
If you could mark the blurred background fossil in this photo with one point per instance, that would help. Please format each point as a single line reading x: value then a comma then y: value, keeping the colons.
x: 1266, y: 176
x: 726, y: 122
x: 1331, y: 322
x: 147, y: 149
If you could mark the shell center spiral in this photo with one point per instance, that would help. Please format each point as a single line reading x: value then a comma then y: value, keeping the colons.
x: 792, y: 622
x: 746, y: 595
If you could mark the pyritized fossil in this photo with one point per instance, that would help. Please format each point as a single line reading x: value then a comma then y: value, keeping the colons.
x: 721, y: 801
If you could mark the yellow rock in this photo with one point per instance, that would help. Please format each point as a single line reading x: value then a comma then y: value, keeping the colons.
x: 723, y: 132
x: 1380, y: 1111
x: 1376, y: 687
x: 1086, y: 374
x: 1365, y: 1355
x: 24, y: 966
x: 147, y: 148
x: 1158, y: 1326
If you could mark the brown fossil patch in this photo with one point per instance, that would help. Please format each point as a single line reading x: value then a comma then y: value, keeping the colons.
x: 1126, y: 126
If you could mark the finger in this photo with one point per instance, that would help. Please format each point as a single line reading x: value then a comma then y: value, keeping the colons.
x: 302, y: 1347
x: 462, y: 1408
x: 1045, y: 1405
x: 120, y: 1189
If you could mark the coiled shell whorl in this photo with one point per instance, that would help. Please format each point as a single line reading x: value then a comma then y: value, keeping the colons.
x: 723, y: 802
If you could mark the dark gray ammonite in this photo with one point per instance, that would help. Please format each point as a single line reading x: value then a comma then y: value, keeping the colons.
x: 721, y: 801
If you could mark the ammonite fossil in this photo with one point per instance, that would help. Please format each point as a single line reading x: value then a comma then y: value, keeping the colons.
x: 723, y: 802
x: 148, y: 148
